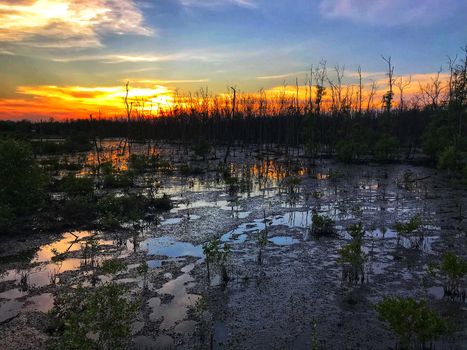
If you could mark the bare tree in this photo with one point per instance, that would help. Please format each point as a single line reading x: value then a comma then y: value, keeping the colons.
x: 389, y: 95
x: 402, y: 85
x: 431, y: 91
x: 320, y: 76
x: 371, y: 96
x: 360, y: 90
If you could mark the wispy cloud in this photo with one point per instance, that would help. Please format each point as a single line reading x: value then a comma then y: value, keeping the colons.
x: 218, y: 3
x: 281, y: 76
x: 386, y: 12
x: 163, y: 82
x: 212, y: 55
x: 6, y: 53
x: 68, y: 23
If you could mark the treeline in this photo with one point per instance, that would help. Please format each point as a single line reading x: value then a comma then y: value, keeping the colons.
x: 331, y: 118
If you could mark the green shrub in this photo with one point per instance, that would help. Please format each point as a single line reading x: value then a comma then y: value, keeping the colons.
x: 115, y: 210
x: 163, y: 203
x: 73, y: 185
x: 349, y: 151
x: 408, y: 318
x: 216, y: 255
x: 99, y: 319
x: 112, y: 266
x: 386, y: 148
x: 351, y: 255
x: 138, y: 163
x: 78, y: 208
x: 202, y: 148
x: 322, y: 225
x: 22, y: 182
x: 113, y: 178
x: 411, y: 230
x: 449, y: 159
x: 455, y: 268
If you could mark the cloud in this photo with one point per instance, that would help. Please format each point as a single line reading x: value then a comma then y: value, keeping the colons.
x: 386, y: 12
x: 281, y: 76
x: 211, y: 55
x: 218, y: 3
x: 162, y: 82
x: 68, y: 23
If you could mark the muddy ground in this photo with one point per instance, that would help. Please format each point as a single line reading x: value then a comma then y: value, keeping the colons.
x: 296, y: 298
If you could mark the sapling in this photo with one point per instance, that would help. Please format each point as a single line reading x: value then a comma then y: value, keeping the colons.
x: 210, y: 251
x: 262, y: 239
x: 112, y: 266
x: 215, y: 256
x: 97, y: 318
x: 143, y: 269
x: 322, y: 225
x: 351, y: 255
x: 454, y: 268
x: 411, y: 230
x: 222, y: 261
x: 410, y: 319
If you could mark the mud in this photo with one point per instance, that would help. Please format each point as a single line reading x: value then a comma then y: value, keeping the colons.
x: 296, y: 297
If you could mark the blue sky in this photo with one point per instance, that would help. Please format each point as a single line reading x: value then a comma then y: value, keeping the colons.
x: 187, y: 44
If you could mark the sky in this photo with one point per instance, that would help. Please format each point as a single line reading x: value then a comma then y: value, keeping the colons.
x: 72, y: 58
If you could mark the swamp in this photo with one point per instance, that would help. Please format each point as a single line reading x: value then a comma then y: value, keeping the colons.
x: 162, y: 248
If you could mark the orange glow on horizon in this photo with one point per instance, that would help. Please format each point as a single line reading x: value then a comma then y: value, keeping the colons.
x: 146, y: 100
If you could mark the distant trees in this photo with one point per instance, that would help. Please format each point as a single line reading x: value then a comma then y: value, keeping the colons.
x: 329, y: 115
x: 444, y: 140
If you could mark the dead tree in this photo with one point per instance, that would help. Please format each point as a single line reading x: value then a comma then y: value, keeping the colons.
x: 401, y: 85
x: 389, y: 95
x: 371, y: 96
x: 432, y: 91
x: 360, y: 90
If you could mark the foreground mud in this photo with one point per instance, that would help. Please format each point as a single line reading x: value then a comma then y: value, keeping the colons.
x: 295, y: 298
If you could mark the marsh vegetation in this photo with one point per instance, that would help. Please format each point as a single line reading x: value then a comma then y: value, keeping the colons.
x: 300, y: 225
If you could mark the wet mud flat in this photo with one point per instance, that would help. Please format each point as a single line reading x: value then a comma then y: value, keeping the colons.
x: 295, y: 298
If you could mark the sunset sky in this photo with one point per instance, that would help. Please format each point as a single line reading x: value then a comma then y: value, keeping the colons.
x: 70, y: 58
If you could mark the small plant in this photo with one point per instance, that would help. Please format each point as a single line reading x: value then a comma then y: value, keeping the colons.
x: 318, y: 194
x: 53, y: 278
x: 90, y: 250
x: 93, y: 319
x: 262, y: 239
x: 143, y: 269
x: 322, y: 225
x: 24, y: 281
x: 210, y: 251
x: 113, y: 178
x: 163, y: 203
x: 215, y: 256
x: 411, y: 230
x: 222, y: 262
x: 410, y: 319
x: 202, y: 148
x: 454, y: 269
x: 74, y: 186
x: 115, y: 210
x: 292, y: 183
x: 352, y: 256
x: 112, y: 266
x: 57, y: 256
x: 386, y: 148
